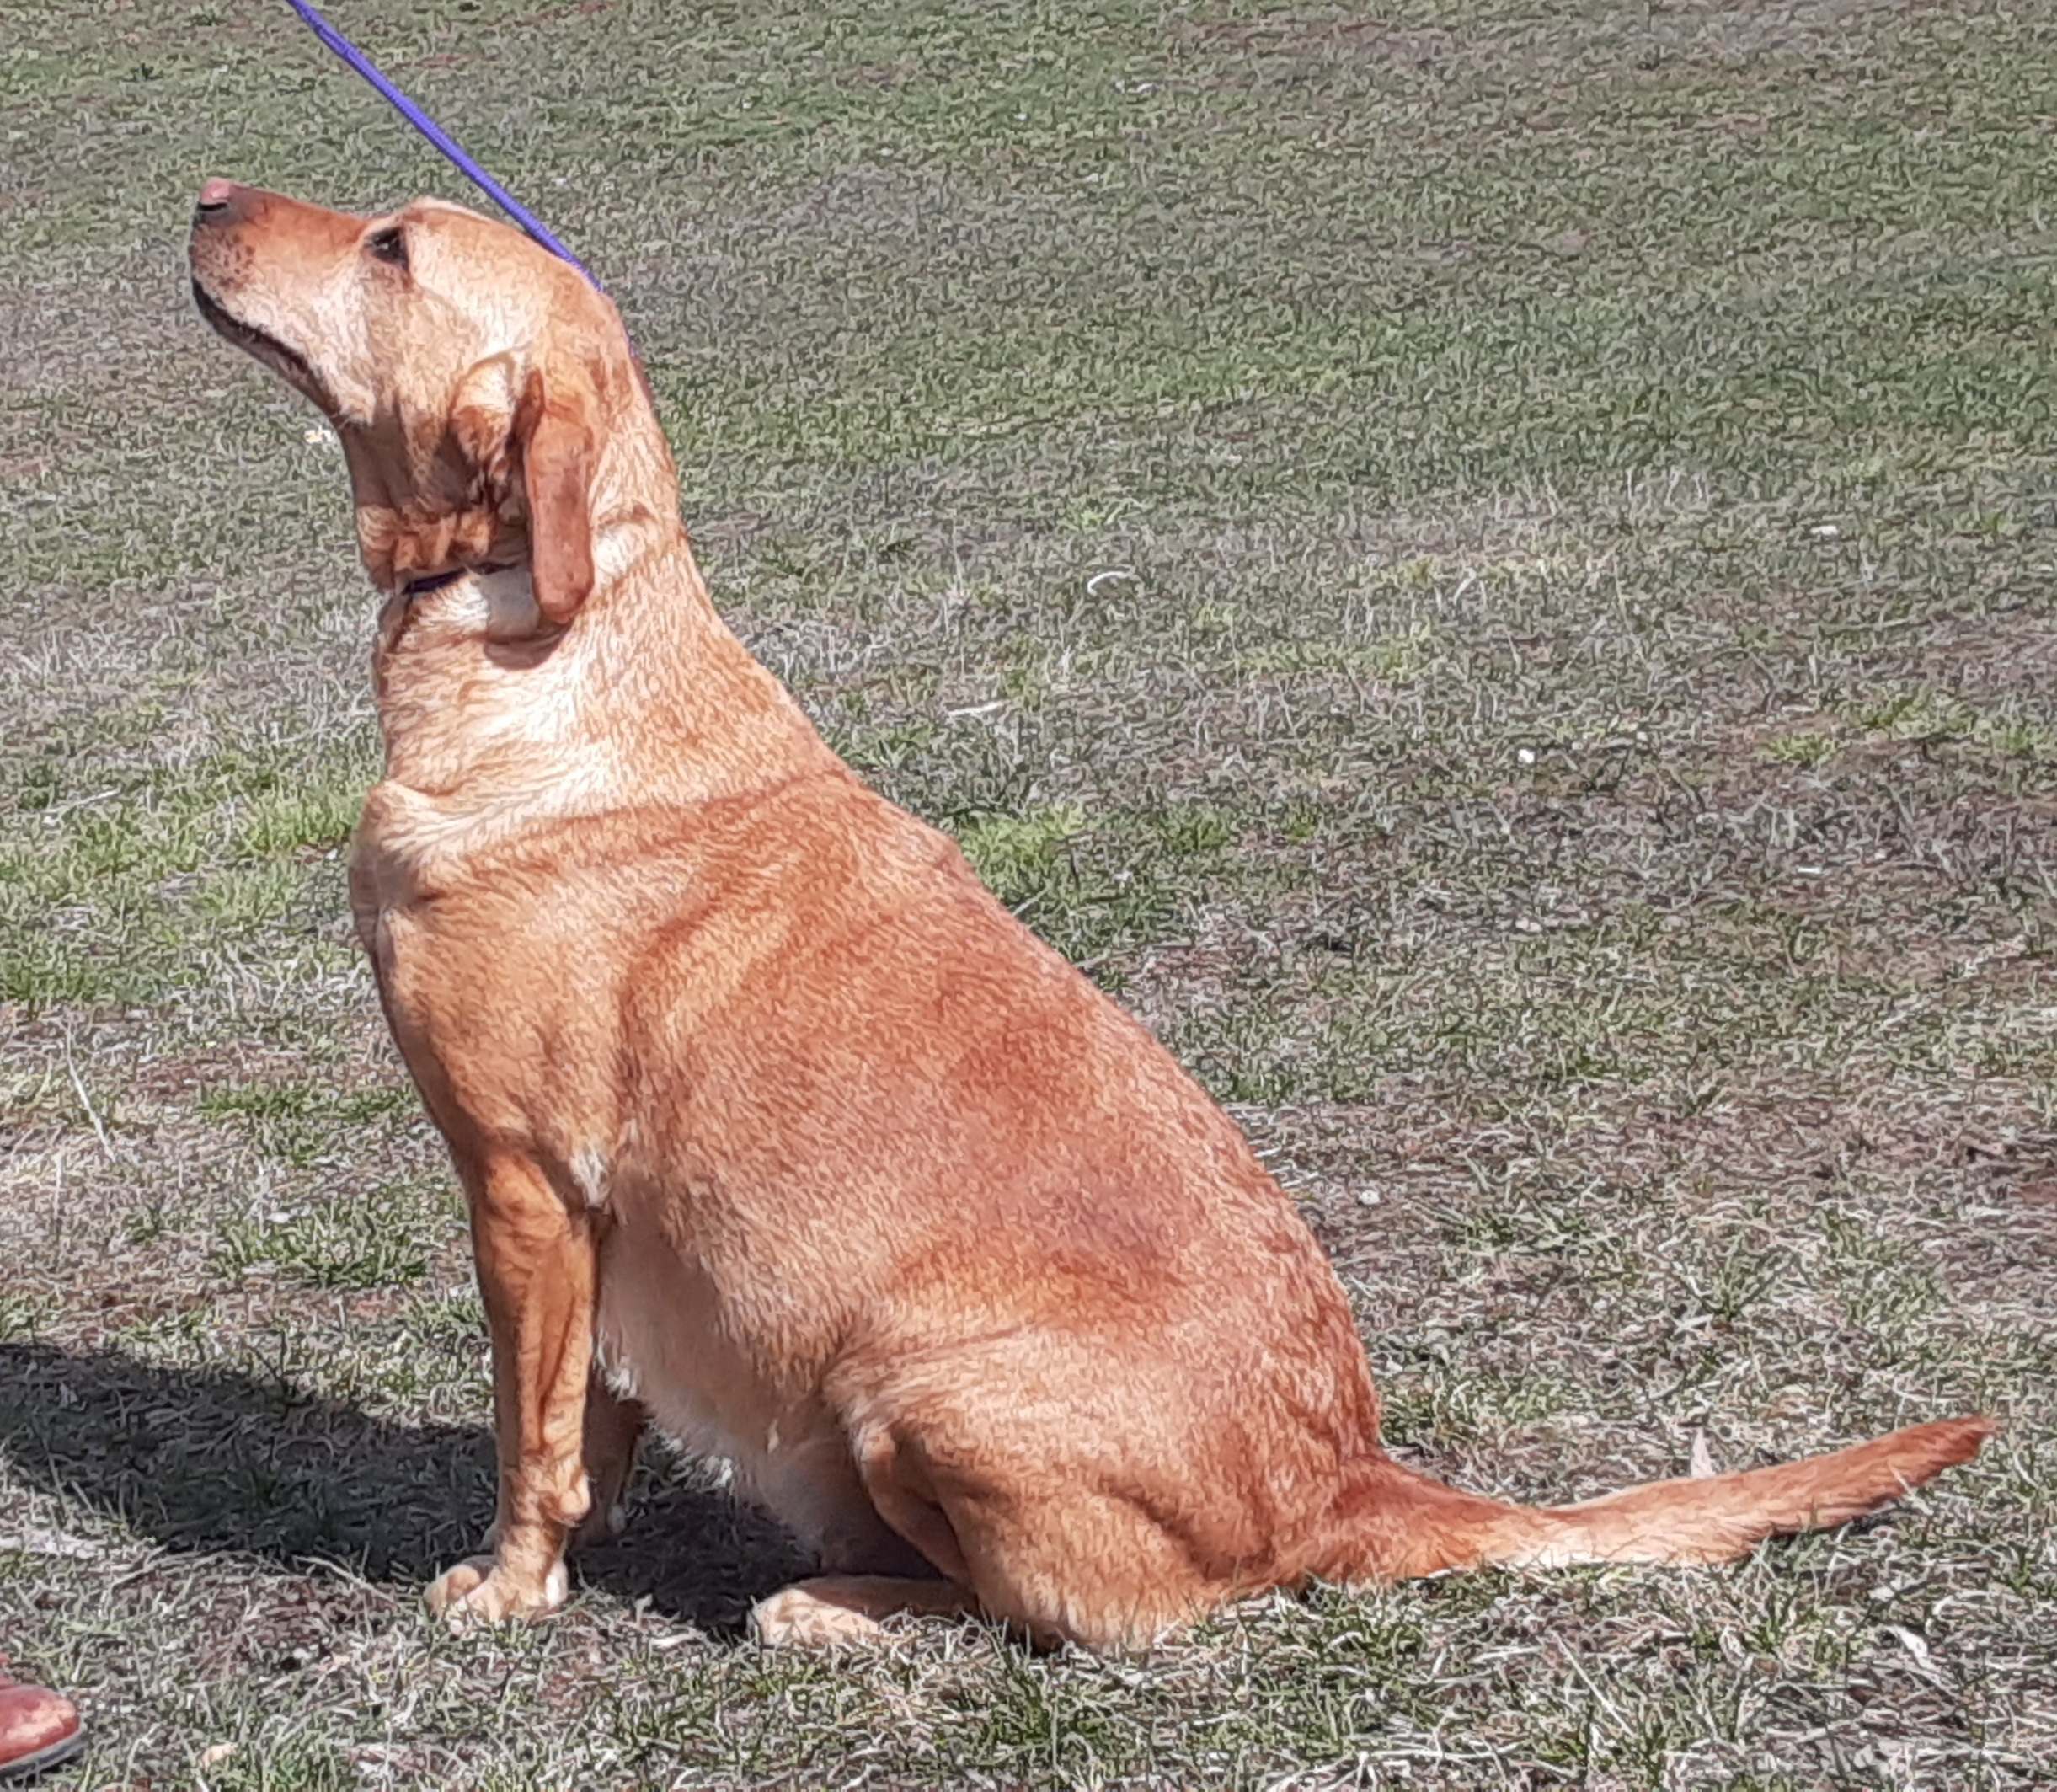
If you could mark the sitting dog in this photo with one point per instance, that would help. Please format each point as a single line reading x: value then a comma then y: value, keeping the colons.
x: 776, y: 1128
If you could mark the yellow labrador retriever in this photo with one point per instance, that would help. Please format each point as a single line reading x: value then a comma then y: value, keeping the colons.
x: 776, y: 1127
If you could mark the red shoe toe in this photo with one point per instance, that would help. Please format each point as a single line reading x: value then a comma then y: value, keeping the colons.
x: 37, y: 1728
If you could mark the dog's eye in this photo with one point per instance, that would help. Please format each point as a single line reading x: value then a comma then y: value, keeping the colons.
x: 389, y: 244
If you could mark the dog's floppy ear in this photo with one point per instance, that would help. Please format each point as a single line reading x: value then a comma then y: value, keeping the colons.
x: 556, y: 431
x: 481, y: 423
x: 529, y: 443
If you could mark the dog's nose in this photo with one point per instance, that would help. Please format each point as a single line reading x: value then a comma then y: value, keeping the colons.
x: 221, y: 201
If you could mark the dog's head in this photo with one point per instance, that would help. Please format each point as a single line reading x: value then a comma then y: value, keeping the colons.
x: 476, y: 381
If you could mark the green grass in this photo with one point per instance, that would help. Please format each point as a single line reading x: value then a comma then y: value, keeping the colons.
x: 1490, y: 569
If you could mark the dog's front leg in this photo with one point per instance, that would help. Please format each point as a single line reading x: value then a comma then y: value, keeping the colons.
x: 536, y: 1263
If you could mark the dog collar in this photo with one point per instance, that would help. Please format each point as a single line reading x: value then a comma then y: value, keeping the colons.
x: 436, y: 580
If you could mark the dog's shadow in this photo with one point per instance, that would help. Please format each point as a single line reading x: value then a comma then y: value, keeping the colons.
x: 221, y: 1460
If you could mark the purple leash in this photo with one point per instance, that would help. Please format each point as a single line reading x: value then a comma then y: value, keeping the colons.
x: 436, y: 135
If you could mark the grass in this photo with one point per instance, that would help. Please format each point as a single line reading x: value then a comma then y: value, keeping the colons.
x: 1488, y: 568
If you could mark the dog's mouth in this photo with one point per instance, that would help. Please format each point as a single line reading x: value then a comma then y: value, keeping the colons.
x: 259, y: 344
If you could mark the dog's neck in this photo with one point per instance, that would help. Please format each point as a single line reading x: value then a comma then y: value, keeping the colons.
x: 646, y: 697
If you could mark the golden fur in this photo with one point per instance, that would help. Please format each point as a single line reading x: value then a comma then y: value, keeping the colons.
x: 776, y: 1128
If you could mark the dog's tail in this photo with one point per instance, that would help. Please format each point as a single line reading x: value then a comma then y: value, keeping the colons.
x: 1393, y: 1524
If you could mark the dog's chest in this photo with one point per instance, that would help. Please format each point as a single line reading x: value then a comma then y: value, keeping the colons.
x: 398, y: 926
x: 468, y: 990
x: 378, y: 904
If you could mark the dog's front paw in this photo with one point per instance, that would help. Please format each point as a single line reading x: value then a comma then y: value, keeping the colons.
x: 482, y: 1590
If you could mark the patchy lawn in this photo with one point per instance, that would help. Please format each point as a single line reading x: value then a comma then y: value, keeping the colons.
x: 1488, y: 568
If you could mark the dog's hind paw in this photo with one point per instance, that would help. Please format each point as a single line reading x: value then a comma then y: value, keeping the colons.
x: 481, y: 1589
x: 835, y: 1611
x: 798, y: 1617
